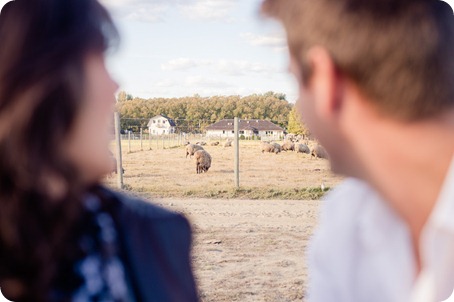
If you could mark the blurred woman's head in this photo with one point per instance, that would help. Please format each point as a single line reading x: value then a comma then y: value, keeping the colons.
x: 53, y: 86
x: 56, y: 99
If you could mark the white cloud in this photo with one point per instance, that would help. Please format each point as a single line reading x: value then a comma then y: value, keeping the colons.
x: 227, y: 67
x: 183, y: 64
x: 275, y: 40
x: 207, y: 9
x: 200, y: 81
x: 165, y: 83
x: 139, y: 10
x: 156, y: 10
x: 242, y: 67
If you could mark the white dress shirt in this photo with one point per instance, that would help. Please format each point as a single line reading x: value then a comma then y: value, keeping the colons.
x: 362, y: 251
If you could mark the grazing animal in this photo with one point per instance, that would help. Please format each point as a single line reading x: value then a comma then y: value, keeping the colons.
x: 278, y: 147
x: 201, y: 143
x: 228, y: 143
x: 302, y: 148
x: 319, y: 152
x: 267, y: 147
x: 191, y: 149
x: 215, y: 144
x: 202, y: 160
x: 288, y: 146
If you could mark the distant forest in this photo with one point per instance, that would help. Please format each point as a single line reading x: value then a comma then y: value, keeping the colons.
x: 194, y: 113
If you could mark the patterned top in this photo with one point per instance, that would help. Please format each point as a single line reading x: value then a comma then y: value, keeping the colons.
x: 99, y: 269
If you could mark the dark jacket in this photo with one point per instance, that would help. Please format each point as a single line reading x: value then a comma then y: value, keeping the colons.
x: 156, y: 245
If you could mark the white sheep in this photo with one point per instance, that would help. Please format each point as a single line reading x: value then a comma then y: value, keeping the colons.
x: 319, y: 152
x: 277, y: 147
x: 191, y: 149
x: 271, y: 148
x: 203, y: 161
x: 302, y: 148
x: 288, y: 146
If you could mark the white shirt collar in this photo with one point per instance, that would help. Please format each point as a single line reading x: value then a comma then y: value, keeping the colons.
x: 436, y: 280
x: 443, y: 213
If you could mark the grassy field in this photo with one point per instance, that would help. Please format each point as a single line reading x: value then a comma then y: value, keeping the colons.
x: 165, y: 172
x: 245, y: 248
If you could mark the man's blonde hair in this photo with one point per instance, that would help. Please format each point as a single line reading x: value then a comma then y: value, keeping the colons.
x: 400, y: 53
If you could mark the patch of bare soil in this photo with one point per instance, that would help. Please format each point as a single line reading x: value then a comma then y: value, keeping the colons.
x: 249, y: 250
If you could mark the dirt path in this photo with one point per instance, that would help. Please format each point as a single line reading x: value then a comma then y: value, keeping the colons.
x: 249, y: 250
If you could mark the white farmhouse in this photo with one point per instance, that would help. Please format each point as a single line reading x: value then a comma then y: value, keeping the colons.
x: 248, y: 128
x: 161, y: 125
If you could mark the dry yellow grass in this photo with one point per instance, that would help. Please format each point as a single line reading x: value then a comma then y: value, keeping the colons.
x: 167, y: 173
x: 243, y: 250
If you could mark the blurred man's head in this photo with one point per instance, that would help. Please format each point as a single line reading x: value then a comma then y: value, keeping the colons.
x: 393, y: 57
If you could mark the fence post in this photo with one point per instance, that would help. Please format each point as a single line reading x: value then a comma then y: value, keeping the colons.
x: 129, y: 141
x: 236, y: 148
x: 118, y: 151
x: 149, y: 138
x: 141, y: 145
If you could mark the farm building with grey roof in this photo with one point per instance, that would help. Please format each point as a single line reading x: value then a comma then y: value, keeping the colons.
x: 248, y: 128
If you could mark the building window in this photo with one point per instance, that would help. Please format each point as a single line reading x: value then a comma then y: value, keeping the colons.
x: 223, y: 131
x: 154, y: 121
x: 241, y: 132
x: 164, y: 121
x: 233, y: 131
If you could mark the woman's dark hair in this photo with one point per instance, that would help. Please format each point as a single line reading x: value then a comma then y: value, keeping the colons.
x: 44, y: 45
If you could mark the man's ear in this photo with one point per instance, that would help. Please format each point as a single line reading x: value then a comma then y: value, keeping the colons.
x: 325, y: 83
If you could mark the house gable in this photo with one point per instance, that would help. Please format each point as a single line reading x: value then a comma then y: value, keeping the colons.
x: 161, y: 124
x: 161, y: 119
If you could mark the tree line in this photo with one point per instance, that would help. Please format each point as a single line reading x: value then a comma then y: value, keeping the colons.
x: 195, y: 113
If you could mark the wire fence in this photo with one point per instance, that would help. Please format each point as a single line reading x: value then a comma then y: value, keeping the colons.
x: 133, y: 142
x: 135, y: 135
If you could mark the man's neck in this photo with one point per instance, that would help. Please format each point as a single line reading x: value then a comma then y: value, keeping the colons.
x: 407, y: 164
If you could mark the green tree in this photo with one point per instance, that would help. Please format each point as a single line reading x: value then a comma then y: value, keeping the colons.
x: 295, y: 124
x: 194, y: 113
x: 123, y: 96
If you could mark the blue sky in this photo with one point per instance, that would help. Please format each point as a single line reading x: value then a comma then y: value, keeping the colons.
x: 208, y: 47
x: 173, y: 48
